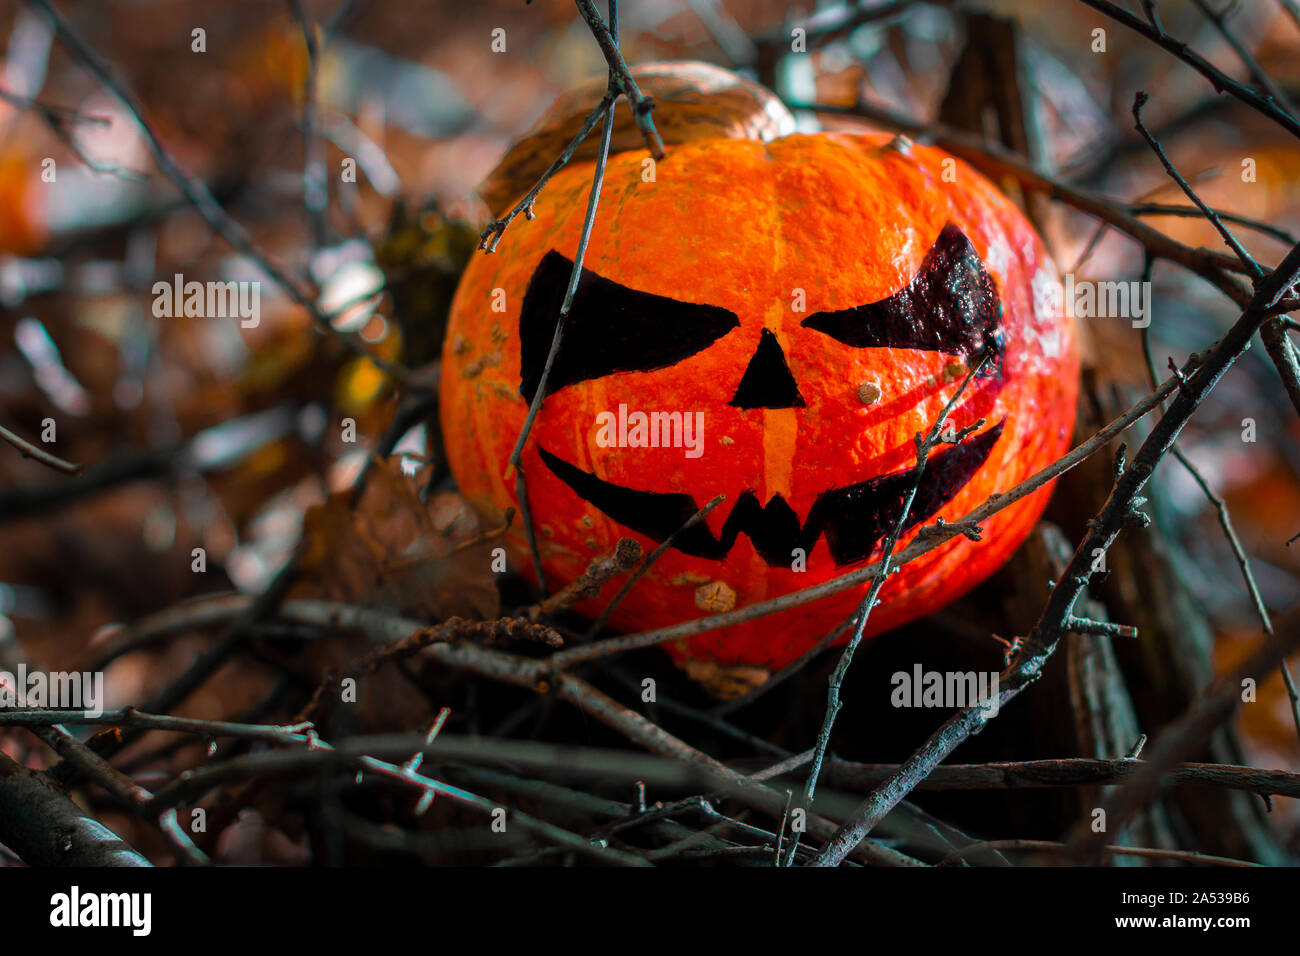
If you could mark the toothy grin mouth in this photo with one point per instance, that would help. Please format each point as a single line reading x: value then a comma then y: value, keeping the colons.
x: 853, y: 518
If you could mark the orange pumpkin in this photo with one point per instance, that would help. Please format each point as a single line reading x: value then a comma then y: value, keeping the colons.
x: 796, y: 311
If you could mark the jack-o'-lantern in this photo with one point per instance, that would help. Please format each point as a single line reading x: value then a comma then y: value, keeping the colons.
x: 774, y: 322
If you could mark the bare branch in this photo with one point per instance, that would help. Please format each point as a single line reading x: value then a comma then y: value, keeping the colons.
x: 1153, y: 853
x: 928, y: 538
x: 45, y: 828
x: 924, y: 445
x: 1221, y: 81
x: 1247, y: 260
x: 1067, y: 772
x: 29, y: 450
x: 1120, y: 511
x: 197, y: 193
x: 600, y: 570
x: 599, y: 624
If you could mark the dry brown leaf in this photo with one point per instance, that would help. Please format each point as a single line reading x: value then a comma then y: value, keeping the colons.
x: 431, y: 561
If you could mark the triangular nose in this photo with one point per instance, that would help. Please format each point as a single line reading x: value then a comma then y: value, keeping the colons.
x: 768, y: 381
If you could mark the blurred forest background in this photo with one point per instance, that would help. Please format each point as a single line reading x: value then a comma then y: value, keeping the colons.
x: 202, y: 434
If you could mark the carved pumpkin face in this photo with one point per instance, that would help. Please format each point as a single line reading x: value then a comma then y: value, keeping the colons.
x: 774, y: 323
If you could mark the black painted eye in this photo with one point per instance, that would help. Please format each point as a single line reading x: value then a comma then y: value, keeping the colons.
x: 610, y: 328
x: 951, y: 305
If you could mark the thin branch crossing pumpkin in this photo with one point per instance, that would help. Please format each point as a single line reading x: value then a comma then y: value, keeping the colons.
x: 773, y: 322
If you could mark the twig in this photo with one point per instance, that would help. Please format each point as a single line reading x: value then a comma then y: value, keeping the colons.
x: 208, y: 662
x: 194, y: 190
x: 130, y: 717
x: 452, y: 629
x: 582, y: 802
x: 1133, y: 206
x: 997, y: 161
x: 28, y: 501
x: 637, y: 728
x: 622, y: 83
x: 60, y: 116
x: 1084, y: 625
x: 315, y: 184
x: 785, y: 673
x: 1189, y: 212
x: 1229, y: 532
x: 1149, y: 8
x: 80, y: 758
x: 1221, y: 81
x: 45, y: 828
x: 596, y: 763
x: 708, y: 718
x: 1136, y: 750
x: 415, y: 408
x: 694, y: 804
x: 493, y: 231
x: 29, y: 450
x: 1186, y: 735
x: 1278, y: 345
x: 924, y: 445
x: 1067, y: 772
x: 929, y: 538
x: 125, y: 791
x: 1257, y: 72
x: 1139, y: 100
x: 193, y: 784
x: 607, y: 37
x: 836, y: 21
x: 1118, y: 512
x: 548, y: 831
x: 1153, y: 853
x: 535, y: 406
x: 383, y: 627
x: 600, y: 623
x: 407, y: 774
x: 189, y: 615
x: 60, y: 119
x: 620, y: 76
x: 600, y: 570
